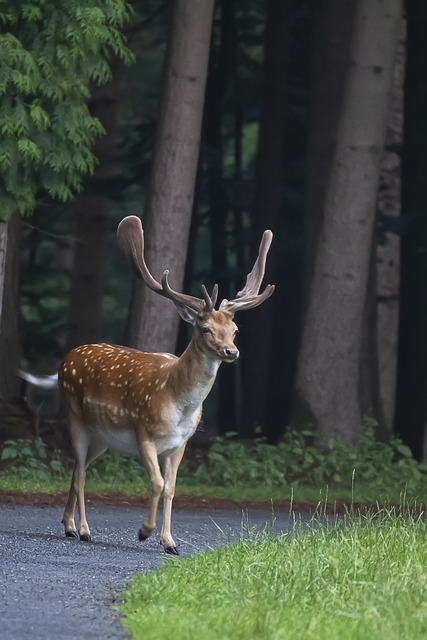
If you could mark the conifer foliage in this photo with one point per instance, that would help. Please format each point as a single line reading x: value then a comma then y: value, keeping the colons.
x: 51, y: 51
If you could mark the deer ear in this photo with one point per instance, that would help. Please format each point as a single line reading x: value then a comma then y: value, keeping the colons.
x: 188, y: 315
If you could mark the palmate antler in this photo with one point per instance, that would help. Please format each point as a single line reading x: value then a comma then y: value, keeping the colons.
x: 130, y: 238
x: 249, y: 296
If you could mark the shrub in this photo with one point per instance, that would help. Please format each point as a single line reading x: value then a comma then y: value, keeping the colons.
x: 28, y: 456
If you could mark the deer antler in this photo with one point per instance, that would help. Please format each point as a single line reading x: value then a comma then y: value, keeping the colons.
x: 248, y: 297
x: 130, y: 238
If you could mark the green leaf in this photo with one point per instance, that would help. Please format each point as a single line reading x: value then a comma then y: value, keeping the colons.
x: 8, y: 453
x: 403, y: 450
x: 29, y: 149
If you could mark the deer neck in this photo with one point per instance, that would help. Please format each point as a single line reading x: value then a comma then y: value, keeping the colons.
x: 193, y: 375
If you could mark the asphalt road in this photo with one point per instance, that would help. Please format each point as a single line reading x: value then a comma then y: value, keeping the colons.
x: 52, y: 587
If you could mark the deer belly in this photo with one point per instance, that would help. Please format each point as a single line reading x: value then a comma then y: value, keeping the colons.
x: 124, y: 441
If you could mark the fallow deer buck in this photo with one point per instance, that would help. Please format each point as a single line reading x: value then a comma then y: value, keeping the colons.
x: 149, y: 403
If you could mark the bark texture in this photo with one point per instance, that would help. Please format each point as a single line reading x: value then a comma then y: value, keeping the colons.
x: 327, y: 383
x: 333, y: 23
x: 153, y: 322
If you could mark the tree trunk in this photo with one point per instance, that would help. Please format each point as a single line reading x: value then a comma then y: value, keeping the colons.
x: 327, y: 385
x: 411, y: 408
x: 333, y: 22
x: 388, y: 247
x: 92, y: 212
x: 87, y: 277
x: 369, y: 379
x: 268, y: 201
x: 9, y: 307
x: 219, y: 80
x: 153, y: 322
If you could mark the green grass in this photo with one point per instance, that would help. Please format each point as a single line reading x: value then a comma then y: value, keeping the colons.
x: 236, y: 470
x: 364, y: 577
x: 34, y: 481
x: 116, y: 483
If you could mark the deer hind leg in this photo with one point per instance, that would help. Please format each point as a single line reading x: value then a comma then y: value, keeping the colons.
x: 148, y: 454
x: 172, y: 462
x: 84, y: 454
x: 70, y: 508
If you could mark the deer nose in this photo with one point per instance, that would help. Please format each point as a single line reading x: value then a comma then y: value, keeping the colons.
x: 231, y: 354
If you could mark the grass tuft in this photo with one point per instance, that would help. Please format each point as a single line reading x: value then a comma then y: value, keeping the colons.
x: 360, y: 577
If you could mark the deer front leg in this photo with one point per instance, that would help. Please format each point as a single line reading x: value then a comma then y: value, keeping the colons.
x: 148, y: 453
x: 171, y: 466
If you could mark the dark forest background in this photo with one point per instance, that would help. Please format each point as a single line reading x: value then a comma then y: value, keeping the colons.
x: 344, y: 336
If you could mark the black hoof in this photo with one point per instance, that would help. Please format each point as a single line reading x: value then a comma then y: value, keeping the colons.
x: 173, y: 551
x: 143, y: 535
x: 85, y: 537
x: 71, y: 534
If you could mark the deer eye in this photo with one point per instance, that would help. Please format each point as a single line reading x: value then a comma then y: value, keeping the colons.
x: 206, y: 330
